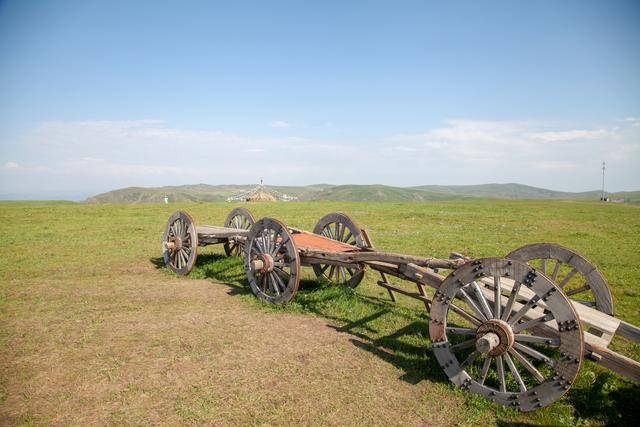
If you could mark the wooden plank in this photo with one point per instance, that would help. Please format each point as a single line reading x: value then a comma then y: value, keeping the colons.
x: 309, y: 241
x: 220, y: 232
x: 375, y: 256
x: 204, y: 240
x: 629, y: 331
x: 613, y: 361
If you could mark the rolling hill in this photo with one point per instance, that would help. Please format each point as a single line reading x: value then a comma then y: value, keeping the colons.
x: 370, y: 193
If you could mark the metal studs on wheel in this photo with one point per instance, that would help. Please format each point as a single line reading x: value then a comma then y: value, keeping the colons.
x: 241, y: 219
x: 180, y: 243
x: 506, y: 332
x: 272, y: 262
x: 338, y: 226
x: 578, y: 277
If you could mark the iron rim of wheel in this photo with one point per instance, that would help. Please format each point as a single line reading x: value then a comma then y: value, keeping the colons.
x: 272, y: 262
x: 180, y: 243
x: 534, y: 366
x: 340, y: 227
x: 573, y: 273
x: 241, y: 219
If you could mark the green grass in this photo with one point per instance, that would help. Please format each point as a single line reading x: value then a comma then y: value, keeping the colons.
x: 57, y: 245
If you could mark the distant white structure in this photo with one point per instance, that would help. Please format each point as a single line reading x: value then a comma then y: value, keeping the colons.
x: 261, y: 193
x: 602, y: 196
x: 166, y: 200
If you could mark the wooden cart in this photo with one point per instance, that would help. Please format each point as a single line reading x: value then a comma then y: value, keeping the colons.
x: 514, y: 330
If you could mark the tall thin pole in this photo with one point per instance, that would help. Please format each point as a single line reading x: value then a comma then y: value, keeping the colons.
x: 602, y: 197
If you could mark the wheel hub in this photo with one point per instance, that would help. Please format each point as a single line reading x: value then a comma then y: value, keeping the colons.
x: 263, y: 263
x: 177, y: 243
x: 494, y: 337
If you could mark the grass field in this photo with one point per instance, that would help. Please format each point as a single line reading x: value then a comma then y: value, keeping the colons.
x: 94, y: 330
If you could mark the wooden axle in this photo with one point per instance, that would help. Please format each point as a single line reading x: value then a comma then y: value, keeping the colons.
x: 487, y: 342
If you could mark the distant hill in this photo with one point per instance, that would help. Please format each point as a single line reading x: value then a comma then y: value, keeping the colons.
x: 371, y: 193
x: 507, y: 191
x: 191, y: 193
x: 380, y: 193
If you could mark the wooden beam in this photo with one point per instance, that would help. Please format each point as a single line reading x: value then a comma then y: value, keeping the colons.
x: 368, y: 256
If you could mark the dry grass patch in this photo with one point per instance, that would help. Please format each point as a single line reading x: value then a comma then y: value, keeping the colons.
x: 146, y: 348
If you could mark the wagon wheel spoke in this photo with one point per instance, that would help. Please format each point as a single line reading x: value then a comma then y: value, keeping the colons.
x: 535, y: 354
x: 515, y: 373
x: 500, y: 369
x: 497, y: 297
x: 473, y: 305
x: 512, y: 299
x: 484, y: 305
x: 465, y: 315
x: 283, y: 274
x: 463, y: 345
x: 532, y: 323
x: 329, y: 233
x: 534, y: 339
x: 556, y: 270
x: 277, y: 282
x: 580, y: 290
x: 347, y: 239
x: 523, y: 310
x: 568, y: 277
x: 470, y: 359
x: 236, y: 249
x: 485, y: 369
x: 461, y: 331
x: 527, y: 365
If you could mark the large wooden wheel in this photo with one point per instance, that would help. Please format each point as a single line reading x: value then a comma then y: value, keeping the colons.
x: 272, y: 262
x: 502, y: 330
x: 577, y: 276
x: 340, y: 227
x: 241, y: 219
x: 180, y: 243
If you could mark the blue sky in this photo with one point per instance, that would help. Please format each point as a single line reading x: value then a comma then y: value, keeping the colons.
x: 96, y: 95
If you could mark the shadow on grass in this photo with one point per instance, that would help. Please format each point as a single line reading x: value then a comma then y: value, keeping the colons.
x: 219, y: 268
x: 371, y: 321
x: 374, y: 325
x: 603, y: 399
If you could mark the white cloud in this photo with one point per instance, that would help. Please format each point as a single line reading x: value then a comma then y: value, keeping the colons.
x: 103, y: 155
x: 633, y: 121
x: 532, y: 152
x: 280, y: 124
x: 571, y: 135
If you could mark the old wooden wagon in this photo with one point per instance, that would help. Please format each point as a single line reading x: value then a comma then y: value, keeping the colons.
x: 514, y: 330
